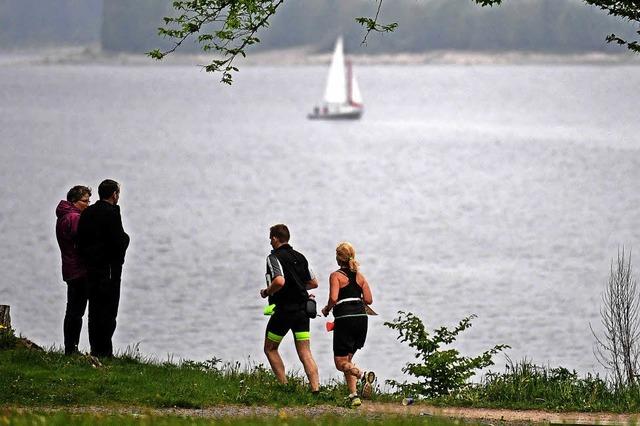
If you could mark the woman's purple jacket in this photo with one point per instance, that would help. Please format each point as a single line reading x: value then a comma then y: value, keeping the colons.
x: 66, y: 233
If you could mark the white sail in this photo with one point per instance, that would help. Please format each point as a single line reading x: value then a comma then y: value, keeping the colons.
x: 356, y: 96
x: 336, y: 90
x: 342, y: 98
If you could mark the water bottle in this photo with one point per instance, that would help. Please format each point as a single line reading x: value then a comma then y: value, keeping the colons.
x: 407, y: 401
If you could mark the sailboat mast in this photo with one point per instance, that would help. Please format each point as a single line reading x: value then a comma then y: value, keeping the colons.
x: 349, y: 88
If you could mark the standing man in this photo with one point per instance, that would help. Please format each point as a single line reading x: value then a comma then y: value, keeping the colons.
x: 74, y: 272
x: 102, y: 244
x: 288, y: 278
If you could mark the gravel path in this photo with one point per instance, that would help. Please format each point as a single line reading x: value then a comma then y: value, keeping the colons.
x: 369, y: 409
x: 497, y: 415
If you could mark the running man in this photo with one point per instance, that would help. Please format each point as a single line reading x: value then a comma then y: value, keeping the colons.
x: 288, y: 277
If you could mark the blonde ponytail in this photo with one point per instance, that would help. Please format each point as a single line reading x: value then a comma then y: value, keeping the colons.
x: 346, y: 256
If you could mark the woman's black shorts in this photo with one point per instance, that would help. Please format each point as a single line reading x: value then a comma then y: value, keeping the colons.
x: 349, y: 335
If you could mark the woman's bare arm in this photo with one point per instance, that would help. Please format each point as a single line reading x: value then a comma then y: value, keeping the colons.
x: 367, y: 297
x: 334, y: 289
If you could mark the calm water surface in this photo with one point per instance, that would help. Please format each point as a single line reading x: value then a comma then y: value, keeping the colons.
x: 503, y: 191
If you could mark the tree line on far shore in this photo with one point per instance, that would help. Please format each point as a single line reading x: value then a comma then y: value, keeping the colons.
x: 563, y: 26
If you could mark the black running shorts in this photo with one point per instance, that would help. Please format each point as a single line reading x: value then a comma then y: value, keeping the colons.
x: 281, y: 322
x: 349, y: 335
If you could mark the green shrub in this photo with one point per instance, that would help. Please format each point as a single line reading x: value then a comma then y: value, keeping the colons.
x: 439, y: 371
x: 8, y: 339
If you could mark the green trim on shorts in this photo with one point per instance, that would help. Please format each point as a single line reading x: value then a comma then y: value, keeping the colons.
x: 302, y: 335
x: 274, y: 337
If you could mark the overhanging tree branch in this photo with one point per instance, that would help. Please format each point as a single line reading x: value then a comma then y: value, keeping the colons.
x: 228, y: 27
x: 371, y: 24
x: 627, y: 9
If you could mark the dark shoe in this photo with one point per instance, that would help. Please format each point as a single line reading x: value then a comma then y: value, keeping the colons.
x: 72, y: 351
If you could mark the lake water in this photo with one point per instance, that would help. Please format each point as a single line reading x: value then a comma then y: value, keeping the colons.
x: 503, y: 191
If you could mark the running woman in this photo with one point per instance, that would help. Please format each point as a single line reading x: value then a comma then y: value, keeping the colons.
x: 349, y: 296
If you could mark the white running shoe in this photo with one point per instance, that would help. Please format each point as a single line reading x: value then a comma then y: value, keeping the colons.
x: 367, y: 380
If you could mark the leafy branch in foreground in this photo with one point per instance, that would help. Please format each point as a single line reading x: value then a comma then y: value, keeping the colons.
x: 628, y: 9
x: 227, y: 27
x: 440, y: 371
x: 371, y: 24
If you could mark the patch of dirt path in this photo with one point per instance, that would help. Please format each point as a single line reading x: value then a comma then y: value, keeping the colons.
x: 372, y: 409
x: 497, y: 415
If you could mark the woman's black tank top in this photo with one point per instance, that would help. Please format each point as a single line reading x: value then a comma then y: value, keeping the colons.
x: 352, y: 289
x: 349, y: 308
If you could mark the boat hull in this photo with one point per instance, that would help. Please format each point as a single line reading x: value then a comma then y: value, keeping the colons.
x: 352, y: 115
x: 340, y: 113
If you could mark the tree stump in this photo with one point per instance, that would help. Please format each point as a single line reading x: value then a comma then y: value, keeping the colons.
x: 5, y: 318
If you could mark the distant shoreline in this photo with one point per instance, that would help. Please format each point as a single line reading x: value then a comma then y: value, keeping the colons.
x: 302, y: 56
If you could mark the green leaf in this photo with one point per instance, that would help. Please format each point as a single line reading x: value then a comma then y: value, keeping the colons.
x: 156, y: 54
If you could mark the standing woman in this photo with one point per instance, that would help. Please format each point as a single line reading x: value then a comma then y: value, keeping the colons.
x: 349, y: 293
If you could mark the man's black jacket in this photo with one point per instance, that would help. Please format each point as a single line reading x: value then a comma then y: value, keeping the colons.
x: 101, y: 238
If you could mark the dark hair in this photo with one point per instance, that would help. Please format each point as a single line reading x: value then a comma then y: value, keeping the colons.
x: 281, y: 232
x: 77, y: 192
x: 107, y: 188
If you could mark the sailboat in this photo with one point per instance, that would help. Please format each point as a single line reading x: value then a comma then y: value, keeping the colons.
x: 342, y: 98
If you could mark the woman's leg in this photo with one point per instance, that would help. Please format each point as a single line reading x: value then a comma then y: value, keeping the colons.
x: 350, y: 370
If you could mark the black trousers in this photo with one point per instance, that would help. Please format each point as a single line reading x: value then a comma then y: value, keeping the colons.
x: 104, y: 299
x: 77, y: 296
